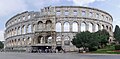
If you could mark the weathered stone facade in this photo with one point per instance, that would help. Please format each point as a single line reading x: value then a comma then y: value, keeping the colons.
x: 54, y: 26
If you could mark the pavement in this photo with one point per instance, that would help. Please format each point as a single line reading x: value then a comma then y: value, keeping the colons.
x: 18, y: 55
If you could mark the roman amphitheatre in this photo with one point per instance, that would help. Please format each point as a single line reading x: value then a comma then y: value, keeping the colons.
x: 53, y: 27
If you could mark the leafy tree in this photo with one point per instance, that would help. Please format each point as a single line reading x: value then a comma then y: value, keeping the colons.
x: 1, y: 45
x: 102, y: 36
x: 117, y: 33
x: 85, y: 40
x: 91, y: 40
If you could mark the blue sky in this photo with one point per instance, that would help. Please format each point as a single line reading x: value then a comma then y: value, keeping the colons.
x: 9, y: 8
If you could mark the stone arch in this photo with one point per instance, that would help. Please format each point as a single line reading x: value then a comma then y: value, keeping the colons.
x: 19, y: 43
x: 58, y: 27
x: 66, y: 40
x: 107, y: 28
x: 49, y: 39
x: 97, y: 27
x: 40, y: 40
x: 15, y: 31
x: 102, y: 27
x: 33, y: 27
x: 23, y: 29
x: 29, y: 40
x: 58, y: 40
x: 75, y: 27
x: 90, y: 27
x: 22, y: 41
x: 11, y: 42
x: 29, y: 16
x: 29, y: 28
x: 83, y: 26
x: 19, y: 30
x: 66, y: 26
x: 7, y: 34
x: 48, y: 24
x: 15, y: 42
x: 23, y: 17
x: 12, y: 32
x: 110, y: 29
x: 40, y: 25
x: 48, y: 21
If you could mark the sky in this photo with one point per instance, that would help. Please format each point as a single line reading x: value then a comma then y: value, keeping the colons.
x: 9, y: 8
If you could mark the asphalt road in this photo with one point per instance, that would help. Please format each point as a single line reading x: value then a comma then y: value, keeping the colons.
x: 13, y: 55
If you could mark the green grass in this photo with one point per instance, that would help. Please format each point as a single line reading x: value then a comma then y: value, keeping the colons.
x: 107, y: 50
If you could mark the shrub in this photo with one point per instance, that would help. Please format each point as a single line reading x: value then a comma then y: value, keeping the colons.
x: 92, y: 49
x: 117, y: 47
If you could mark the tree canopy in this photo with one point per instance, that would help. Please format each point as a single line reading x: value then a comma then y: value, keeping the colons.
x: 91, y: 40
x: 117, y: 33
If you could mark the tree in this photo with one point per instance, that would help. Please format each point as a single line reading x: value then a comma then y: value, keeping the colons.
x: 91, y: 40
x: 117, y: 33
x: 85, y: 40
x: 1, y: 45
x: 102, y: 36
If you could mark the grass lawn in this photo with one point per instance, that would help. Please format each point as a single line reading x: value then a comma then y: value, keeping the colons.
x: 107, y: 50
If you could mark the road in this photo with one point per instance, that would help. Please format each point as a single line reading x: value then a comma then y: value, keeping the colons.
x: 13, y: 55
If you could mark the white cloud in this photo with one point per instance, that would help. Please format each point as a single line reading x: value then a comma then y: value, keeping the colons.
x: 1, y: 35
x: 84, y: 2
x: 9, y: 7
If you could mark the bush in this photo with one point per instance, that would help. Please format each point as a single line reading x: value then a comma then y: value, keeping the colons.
x: 92, y: 49
x: 117, y: 47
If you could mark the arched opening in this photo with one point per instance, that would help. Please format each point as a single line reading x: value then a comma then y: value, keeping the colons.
x: 12, y: 32
x: 40, y: 40
x: 29, y: 16
x: 50, y: 40
x: 11, y: 43
x: 66, y: 27
x: 23, y: 29
x: 83, y: 13
x: 48, y: 21
x: 48, y: 24
x: 83, y: 25
x: 75, y: 27
x: 106, y: 27
x: 29, y: 41
x: 96, y: 27
x: 24, y: 41
x: 90, y: 27
x: 15, y: 31
x: 15, y: 42
x: 58, y: 27
x: 19, y: 42
x: 66, y: 40
x: 29, y: 29
x: 58, y: 40
x: 33, y: 27
x: 19, y: 31
x: 102, y: 27
x: 23, y: 17
x: 110, y: 29
x: 40, y: 25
